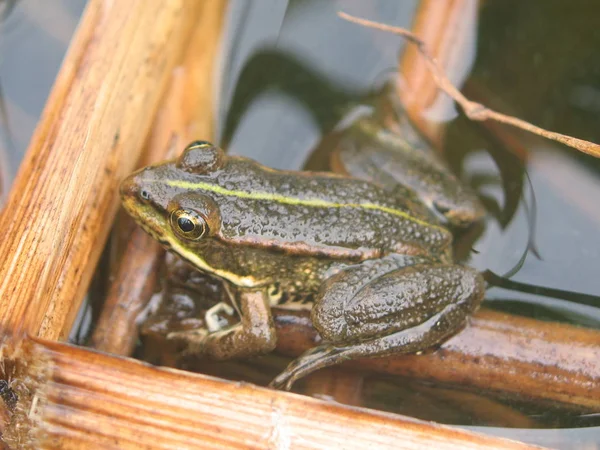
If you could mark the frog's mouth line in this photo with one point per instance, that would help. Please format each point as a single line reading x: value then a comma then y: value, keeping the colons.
x: 159, y: 228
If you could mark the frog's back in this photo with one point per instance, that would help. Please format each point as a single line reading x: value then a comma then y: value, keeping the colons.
x: 308, y: 211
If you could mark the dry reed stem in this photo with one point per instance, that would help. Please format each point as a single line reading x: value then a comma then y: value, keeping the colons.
x: 442, y: 26
x: 92, y: 130
x: 86, y: 399
x: 473, y: 110
x: 116, y: 329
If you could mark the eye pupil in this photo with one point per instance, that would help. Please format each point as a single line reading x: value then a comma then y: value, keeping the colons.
x: 185, y: 224
x: 145, y: 195
x: 188, y: 224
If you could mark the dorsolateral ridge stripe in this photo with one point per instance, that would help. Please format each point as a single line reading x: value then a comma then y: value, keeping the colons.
x: 315, y: 202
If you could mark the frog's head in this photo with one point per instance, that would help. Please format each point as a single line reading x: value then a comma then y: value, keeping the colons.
x: 168, y: 201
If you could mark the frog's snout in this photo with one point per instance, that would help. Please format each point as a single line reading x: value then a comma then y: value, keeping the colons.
x: 128, y: 188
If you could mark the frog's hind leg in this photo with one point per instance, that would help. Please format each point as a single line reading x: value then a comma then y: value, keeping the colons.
x: 412, y: 340
x: 404, y: 311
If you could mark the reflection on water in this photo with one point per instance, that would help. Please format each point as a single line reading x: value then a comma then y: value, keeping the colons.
x: 312, y: 33
x: 34, y: 35
x: 6, y: 7
x: 538, y: 60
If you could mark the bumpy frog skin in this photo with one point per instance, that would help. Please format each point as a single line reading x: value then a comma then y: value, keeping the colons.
x: 372, y: 254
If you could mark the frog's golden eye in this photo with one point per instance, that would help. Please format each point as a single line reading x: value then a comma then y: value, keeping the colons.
x: 189, y: 224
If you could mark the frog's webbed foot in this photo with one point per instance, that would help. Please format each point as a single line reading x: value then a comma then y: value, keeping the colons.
x: 254, y: 334
x: 404, y: 310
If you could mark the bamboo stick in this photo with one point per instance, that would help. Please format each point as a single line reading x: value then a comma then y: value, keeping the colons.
x: 116, y: 330
x: 90, y: 135
x: 497, y: 353
x: 82, y: 398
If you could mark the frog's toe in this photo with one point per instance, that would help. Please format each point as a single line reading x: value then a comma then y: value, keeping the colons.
x: 288, y: 377
x: 213, y: 319
x: 308, y: 362
x: 283, y: 381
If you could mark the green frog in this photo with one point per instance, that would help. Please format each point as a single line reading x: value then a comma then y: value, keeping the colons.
x: 368, y: 250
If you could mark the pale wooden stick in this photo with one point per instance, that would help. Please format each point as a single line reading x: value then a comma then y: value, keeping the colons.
x: 473, y: 110
x: 82, y: 399
x: 116, y: 330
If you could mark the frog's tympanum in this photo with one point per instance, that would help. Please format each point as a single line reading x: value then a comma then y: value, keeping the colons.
x: 369, y: 248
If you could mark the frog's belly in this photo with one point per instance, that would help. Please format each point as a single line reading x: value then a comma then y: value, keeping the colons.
x: 251, y: 268
x: 290, y: 300
x: 298, y: 281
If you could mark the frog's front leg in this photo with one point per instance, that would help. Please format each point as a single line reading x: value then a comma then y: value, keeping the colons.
x: 254, y: 334
x: 362, y: 313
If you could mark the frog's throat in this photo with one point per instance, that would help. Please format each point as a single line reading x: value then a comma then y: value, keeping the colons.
x: 311, y: 202
x: 199, y: 263
x: 195, y: 260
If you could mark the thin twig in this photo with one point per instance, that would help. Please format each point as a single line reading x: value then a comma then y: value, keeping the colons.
x: 473, y: 110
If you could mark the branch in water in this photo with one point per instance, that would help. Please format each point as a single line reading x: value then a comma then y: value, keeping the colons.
x: 474, y: 110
